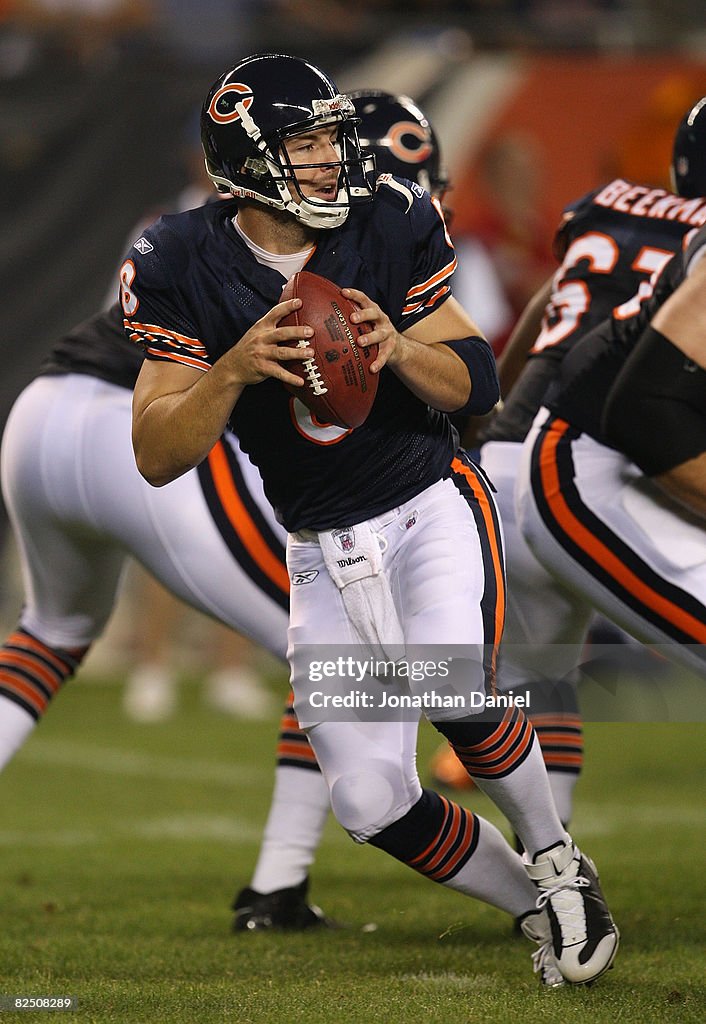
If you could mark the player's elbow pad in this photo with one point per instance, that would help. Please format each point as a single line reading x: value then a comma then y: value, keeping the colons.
x: 654, y: 410
x: 478, y: 356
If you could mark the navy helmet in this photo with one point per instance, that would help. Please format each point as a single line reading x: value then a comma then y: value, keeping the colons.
x: 689, y: 153
x: 401, y: 137
x: 253, y: 108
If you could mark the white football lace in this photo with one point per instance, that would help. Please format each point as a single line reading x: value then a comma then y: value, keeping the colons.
x: 312, y: 372
x: 567, y: 904
x: 544, y: 963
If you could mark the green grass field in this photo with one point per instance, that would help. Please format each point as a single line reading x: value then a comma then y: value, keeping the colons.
x: 121, y: 847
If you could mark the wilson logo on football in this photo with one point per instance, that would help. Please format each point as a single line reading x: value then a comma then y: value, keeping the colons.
x: 223, y: 107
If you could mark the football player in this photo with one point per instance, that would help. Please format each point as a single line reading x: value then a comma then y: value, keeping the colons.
x: 611, y: 490
x: 200, y: 292
x: 72, y: 574
x: 612, y: 244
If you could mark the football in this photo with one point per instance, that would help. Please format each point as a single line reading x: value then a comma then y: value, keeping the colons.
x: 338, y: 385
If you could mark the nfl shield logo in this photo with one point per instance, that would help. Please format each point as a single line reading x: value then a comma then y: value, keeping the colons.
x: 345, y: 538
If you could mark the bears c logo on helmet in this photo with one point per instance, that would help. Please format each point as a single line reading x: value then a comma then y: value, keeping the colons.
x: 399, y: 136
x: 222, y: 108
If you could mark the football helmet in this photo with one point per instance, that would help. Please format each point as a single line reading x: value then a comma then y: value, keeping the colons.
x: 401, y: 138
x: 252, y: 109
x: 689, y: 153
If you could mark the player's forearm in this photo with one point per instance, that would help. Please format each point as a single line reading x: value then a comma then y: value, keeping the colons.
x: 174, y: 432
x: 682, y: 318
x: 433, y: 373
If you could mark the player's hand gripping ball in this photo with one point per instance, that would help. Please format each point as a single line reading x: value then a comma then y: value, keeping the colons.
x: 338, y: 385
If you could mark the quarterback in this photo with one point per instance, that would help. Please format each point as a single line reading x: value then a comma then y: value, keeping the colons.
x: 200, y: 293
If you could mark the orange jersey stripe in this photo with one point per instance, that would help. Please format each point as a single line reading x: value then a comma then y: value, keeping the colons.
x: 597, y: 550
x: 436, y: 278
x: 242, y: 523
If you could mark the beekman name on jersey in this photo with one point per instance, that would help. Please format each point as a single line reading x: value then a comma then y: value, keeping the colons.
x: 643, y: 201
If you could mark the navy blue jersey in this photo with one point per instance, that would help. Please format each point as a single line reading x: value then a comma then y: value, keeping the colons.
x: 613, y: 243
x: 192, y: 289
x: 97, y: 347
x: 588, y: 372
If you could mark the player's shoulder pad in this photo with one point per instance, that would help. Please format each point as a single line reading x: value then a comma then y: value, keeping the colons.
x: 400, y: 192
x: 571, y: 217
x: 169, y: 241
x: 695, y: 250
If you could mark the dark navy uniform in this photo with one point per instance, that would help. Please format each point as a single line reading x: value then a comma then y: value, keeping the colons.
x: 98, y: 348
x: 192, y: 289
x: 587, y: 507
x: 612, y: 243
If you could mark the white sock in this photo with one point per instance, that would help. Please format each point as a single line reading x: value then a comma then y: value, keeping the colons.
x: 300, y: 805
x: 15, y: 726
x: 495, y: 874
x: 562, y: 786
x: 525, y: 798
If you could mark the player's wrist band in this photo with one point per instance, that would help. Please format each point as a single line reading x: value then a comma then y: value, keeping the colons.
x: 478, y: 356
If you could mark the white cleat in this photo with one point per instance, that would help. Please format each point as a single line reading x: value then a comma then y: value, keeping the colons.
x: 583, y: 934
x: 536, y: 927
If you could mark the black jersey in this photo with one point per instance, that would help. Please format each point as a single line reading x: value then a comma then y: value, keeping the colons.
x: 191, y: 289
x: 613, y: 243
x: 588, y: 372
x: 97, y: 347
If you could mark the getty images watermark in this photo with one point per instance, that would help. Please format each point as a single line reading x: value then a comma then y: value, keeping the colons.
x: 625, y: 682
x: 358, y: 683
x: 386, y: 671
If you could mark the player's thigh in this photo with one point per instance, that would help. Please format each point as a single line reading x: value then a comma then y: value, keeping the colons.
x: 70, y: 571
x: 171, y: 531
x: 603, y: 534
x: 545, y: 623
x: 440, y: 571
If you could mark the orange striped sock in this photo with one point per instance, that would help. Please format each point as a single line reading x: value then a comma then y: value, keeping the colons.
x: 436, y: 837
x: 31, y: 672
x: 293, y: 747
x: 504, y: 747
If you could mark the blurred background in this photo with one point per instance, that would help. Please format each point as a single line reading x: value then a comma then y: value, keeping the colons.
x: 534, y: 101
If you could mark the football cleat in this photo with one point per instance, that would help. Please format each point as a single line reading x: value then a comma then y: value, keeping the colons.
x: 282, y: 910
x: 583, y: 933
x: 537, y: 928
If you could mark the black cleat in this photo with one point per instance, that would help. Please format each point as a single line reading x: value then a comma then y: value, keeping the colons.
x: 283, y: 910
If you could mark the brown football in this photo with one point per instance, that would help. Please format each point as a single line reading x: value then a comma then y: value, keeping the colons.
x: 338, y: 385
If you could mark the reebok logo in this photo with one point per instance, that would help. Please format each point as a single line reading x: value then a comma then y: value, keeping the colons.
x: 300, y: 578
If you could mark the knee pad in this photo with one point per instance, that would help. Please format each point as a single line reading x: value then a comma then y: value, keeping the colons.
x: 369, y: 799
